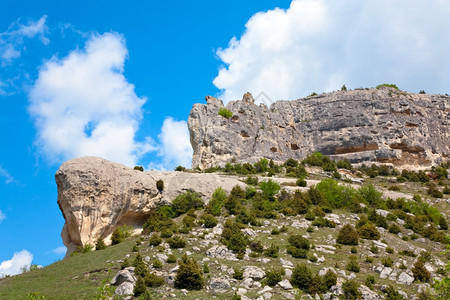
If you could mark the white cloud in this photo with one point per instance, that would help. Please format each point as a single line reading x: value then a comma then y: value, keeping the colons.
x: 60, y: 250
x: 5, y: 174
x: 11, y: 41
x: 16, y: 265
x: 83, y: 104
x: 2, y: 216
x: 175, y: 148
x: 318, y: 45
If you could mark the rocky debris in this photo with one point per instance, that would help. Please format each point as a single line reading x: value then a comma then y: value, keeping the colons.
x: 285, y: 284
x: 221, y: 251
x: 125, y: 281
x: 364, y: 125
x: 254, y: 273
x: 219, y: 285
x: 324, y: 271
x: 368, y: 294
x: 96, y: 195
x: 405, y: 278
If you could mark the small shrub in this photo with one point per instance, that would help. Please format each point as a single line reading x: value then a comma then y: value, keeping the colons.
x: 273, y: 277
x: 139, y: 168
x: 369, y: 231
x: 370, y: 281
x: 214, y: 206
x: 205, y: 268
x: 100, y: 244
x: 176, y: 242
x: 251, y: 180
x: 160, y: 185
x: 208, y: 220
x: 155, y: 240
x: 189, y: 276
x: 301, y: 182
x: 350, y: 289
x: 387, y: 85
x: 310, y: 215
x: 352, y: 265
x: 184, y: 202
x: 238, y: 274
x: 348, y: 235
x: 256, y: 247
x: 140, y: 287
x: 269, y: 188
x: 419, y: 271
x: 407, y: 253
x: 275, y: 231
x: 299, y: 242
x: 312, y: 258
x: 166, y: 233
x: 394, y: 229
x: 153, y: 280
x: 272, y: 251
x: 301, y: 276
x: 368, y: 259
x: 157, y: 264
x: 387, y: 262
x: 389, y: 250
x: 392, y: 294
x: 225, y: 113
x: 171, y: 259
x: 373, y: 248
x: 329, y: 279
x: 121, y: 233
x: 353, y: 250
x: 124, y: 264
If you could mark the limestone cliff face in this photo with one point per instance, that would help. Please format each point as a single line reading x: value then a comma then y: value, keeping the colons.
x: 363, y: 125
x: 96, y: 195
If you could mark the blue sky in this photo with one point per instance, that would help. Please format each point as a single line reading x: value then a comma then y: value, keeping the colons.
x: 118, y: 80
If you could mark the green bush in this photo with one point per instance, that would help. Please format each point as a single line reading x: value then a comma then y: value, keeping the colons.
x: 153, y: 280
x: 301, y: 276
x: 322, y: 222
x: 392, y: 294
x: 348, y: 235
x: 238, y: 274
x: 329, y: 279
x: 121, y: 233
x: 176, y: 242
x: 394, y: 229
x: 299, y: 242
x: 140, y: 287
x: 272, y: 251
x: 370, y: 194
x: 171, y: 259
x: 301, y: 182
x: 100, y: 244
x: 189, y: 275
x: 297, y: 252
x: 159, y: 219
x: 155, y: 240
x: 369, y: 232
x: 160, y: 185
x: 370, y: 281
x: 251, y: 180
x: 419, y: 271
x: 316, y: 285
x: 387, y: 262
x: 387, y: 85
x: 214, y: 206
x: 157, y: 264
x: 352, y: 265
x: 124, y: 264
x: 442, y: 223
x: 269, y: 188
x: 188, y: 221
x: 273, y: 277
x: 166, y: 233
x: 225, y: 113
x: 180, y: 169
x: 234, y: 238
x: 256, y: 247
x: 350, y: 289
x: 139, y: 168
x: 208, y: 220
x: 184, y: 202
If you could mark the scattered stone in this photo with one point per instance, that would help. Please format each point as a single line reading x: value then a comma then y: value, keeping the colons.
x: 405, y: 278
x: 247, y: 283
x: 263, y: 260
x: 286, y: 263
x: 382, y: 212
x: 385, y: 273
x: 125, y: 275
x: 254, y: 273
x: 219, y: 285
x: 248, y: 231
x: 285, y: 284
x: 323, y: 271
x: 184, y: 291
x: 221, y: 251
x: 265, y: 289
x: 368, y: 294
x: 125, y: 288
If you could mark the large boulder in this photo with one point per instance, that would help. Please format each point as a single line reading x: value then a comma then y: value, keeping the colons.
x: 363, y: 125
x: 96, y: 195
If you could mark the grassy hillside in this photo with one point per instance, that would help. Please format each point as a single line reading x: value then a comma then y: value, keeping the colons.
x: 260, y: 225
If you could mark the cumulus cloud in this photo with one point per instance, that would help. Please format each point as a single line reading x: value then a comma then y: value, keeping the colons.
x: 60, y: 250
x: 175, y: 147
x: 20, y: 261
x: 11, y: 41
x: 2, y: 216
x: 83, y: 104
x: 318, y: 45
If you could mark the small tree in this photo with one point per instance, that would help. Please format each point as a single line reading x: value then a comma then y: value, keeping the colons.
x: 189, y: 275
x: 348, y: 235
x: 100, y: 244
x: 140, y: 287
x: 301, y: 276
x: 419, y: 271
x: 160, y: 185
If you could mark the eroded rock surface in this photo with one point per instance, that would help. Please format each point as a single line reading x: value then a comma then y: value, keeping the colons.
x: 96, y: 195
x: 363, y: 125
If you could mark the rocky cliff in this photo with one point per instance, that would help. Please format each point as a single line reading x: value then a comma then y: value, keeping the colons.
x: 96, y: 195
x: 363, y: 125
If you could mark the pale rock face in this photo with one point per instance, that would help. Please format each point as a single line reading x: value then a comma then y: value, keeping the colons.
x: 362, y: 125
x: 96, y: 195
